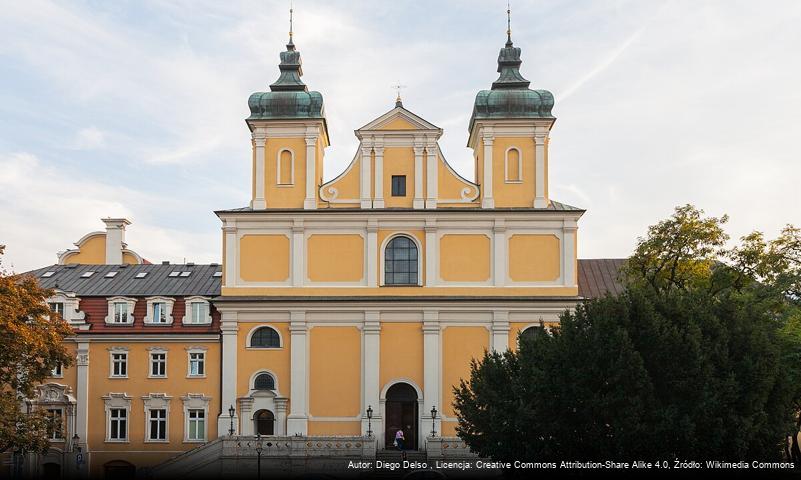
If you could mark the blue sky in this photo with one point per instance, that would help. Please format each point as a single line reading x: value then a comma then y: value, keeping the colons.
x: 137, y: 109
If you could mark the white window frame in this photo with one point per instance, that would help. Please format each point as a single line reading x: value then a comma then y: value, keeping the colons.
x: 420, y: 253
x: 194, y: 351
x: 188, y: 301
x: 519, y: 178
x: 58, y: 371
x: 196, y: 401
x: 151, y: 305
x: 117, y: 351
x: 157, y: 401
x: 120, y: 401
x: 61, y: 429
x: 156, y: 351
x: 71, y: 314
x: 131, y: 302
x: 291, y: 168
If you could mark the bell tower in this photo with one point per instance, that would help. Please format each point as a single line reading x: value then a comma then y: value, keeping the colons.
x: 289, y: 135
x: 509, y: 132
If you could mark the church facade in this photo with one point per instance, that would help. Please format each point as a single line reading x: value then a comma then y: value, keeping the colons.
x: 342, y: 311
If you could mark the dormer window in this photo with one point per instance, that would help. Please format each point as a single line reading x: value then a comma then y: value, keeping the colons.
x: 120, y: 311
x: 57, y: 307
x: 198, y: 311
x: 159, y: 311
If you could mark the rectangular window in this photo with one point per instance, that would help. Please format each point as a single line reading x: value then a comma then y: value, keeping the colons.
x: 55, y: 430
x: 119, y: 364
x: 197, y: 424
x: 399, y: 185
x: 58, y: 371
x: 57, y: 307
x: 200, y: 312
x: 118, y: 427
x: 197, y: 364
x: 159, y: 312
x: 158, y: 364
x: 157, y: 424
x: 120, y: 312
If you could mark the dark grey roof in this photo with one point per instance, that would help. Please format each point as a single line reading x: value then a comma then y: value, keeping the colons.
x: 599, y: 276
x: 157, y: 281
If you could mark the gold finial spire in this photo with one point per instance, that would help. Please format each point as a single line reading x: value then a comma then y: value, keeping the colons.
x: 397, y: 87
x: 508, y: 23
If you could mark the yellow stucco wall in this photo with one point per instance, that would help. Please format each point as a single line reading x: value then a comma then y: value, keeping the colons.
x: 450, y: 186
x: 398, y: 124
x: 264, y: 258
x: 347, y: 186
x: 334, y: 428
x: 464, y: 257
x: 334, y: 371
x: 91, y: 252
x: 398, y: 161
x: 513, y: 194
x: 283, y: 196
x: 252, y: 360
x: 335, y: 258
x: 420, y: 235
x: 459, y: 346
x: 401, y: 352
x: 176, y: 384
x: 534, y: 258
x: 129, y: 259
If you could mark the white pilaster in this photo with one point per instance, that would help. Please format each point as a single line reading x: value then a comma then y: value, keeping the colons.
x: 82, y: 392
x: 432, y: 184
x: 372, y: 253
x: 488, y: 139
x: 310, y: 203
x: 569, y: 252
x: 259, y: 142
x: 298, y: 253
x: 229, y: 328
x: 418, y: 201
x: 500, y: 331
x: 432, y: 252
x: 115, y: 239
x: 431, y: 370
x: 280, y: 416
x: 540, y: 138
x: 298, y: 419
x: 378, y: 200
x: 499, y: 258
x: 246, y: 424
x: 365, y: 189
x: 371, y: 332
x: 230, y: 258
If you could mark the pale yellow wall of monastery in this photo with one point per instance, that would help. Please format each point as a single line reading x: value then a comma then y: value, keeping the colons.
x: 264, y: 258
x: 534, y: 258
x: 398, y: 161
x: 91, y: 252
x: 401, y: 352
x: 335, y: 258
x: 285, y: 196
x: 513, y: 194
x: 252, y: 360
x: 459, y: 345
x: 334, y: 371
x: 465, y: 257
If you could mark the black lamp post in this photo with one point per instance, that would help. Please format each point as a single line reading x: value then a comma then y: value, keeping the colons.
x: 231, y: 412
x: 259, y: 448
x: 434, y: 421
x: 77, y: 450
x: 369, y: 420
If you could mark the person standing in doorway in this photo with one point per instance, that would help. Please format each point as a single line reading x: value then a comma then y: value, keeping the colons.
x: 399, y: 439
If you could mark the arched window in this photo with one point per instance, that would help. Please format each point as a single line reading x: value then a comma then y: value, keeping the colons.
x: 514, y: 167
x: 265, y: 422
x: 286, y: 168
x: 264, y: 381
x: 265, y: 337
x: 400, y: 262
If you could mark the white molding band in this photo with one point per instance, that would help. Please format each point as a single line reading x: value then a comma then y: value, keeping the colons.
x: 432, y: 366
x: 230, y: 330
x: 499, y: 260
x: 259, y: 143
x: 372, y: 253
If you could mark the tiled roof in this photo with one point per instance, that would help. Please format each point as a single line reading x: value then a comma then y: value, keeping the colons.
x: 129, y: 280
x: 599, y: 276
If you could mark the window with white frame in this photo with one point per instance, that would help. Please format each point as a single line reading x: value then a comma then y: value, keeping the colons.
x: 55, y: 427
x: 120, y: 311
x: 118, y: 424
x: 119, y: 363
x: 57, y: 307
x: 157, y: 424
x: 159, y: 311
x: 58, y: 371
x: 196, y: 413
x: 198, y: 311
x: 66, y: 305
x: 197, y: 363
x: 158, y: 364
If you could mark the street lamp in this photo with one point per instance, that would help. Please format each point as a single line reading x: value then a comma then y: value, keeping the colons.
x: 369, y: 420
x: 434, y: 421
x: 259, y: 448
x: 77, y: 450
x: 231, y: 412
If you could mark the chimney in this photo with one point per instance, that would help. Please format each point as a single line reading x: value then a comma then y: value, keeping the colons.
x: 115, y: 239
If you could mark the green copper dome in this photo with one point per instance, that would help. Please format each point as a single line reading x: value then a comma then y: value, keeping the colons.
x: 288, y: 98
x: 510, y: 96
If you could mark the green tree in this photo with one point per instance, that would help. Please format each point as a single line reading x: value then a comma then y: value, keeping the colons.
x: 31, y: 345
x: 701, y: 355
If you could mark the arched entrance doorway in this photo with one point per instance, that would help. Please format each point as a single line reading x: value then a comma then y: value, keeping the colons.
x: 265, y: 422
x: 401, y: 414
x: 119, y: 470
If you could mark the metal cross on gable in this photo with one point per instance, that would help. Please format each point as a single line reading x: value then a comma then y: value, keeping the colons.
x: 397, y: 87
